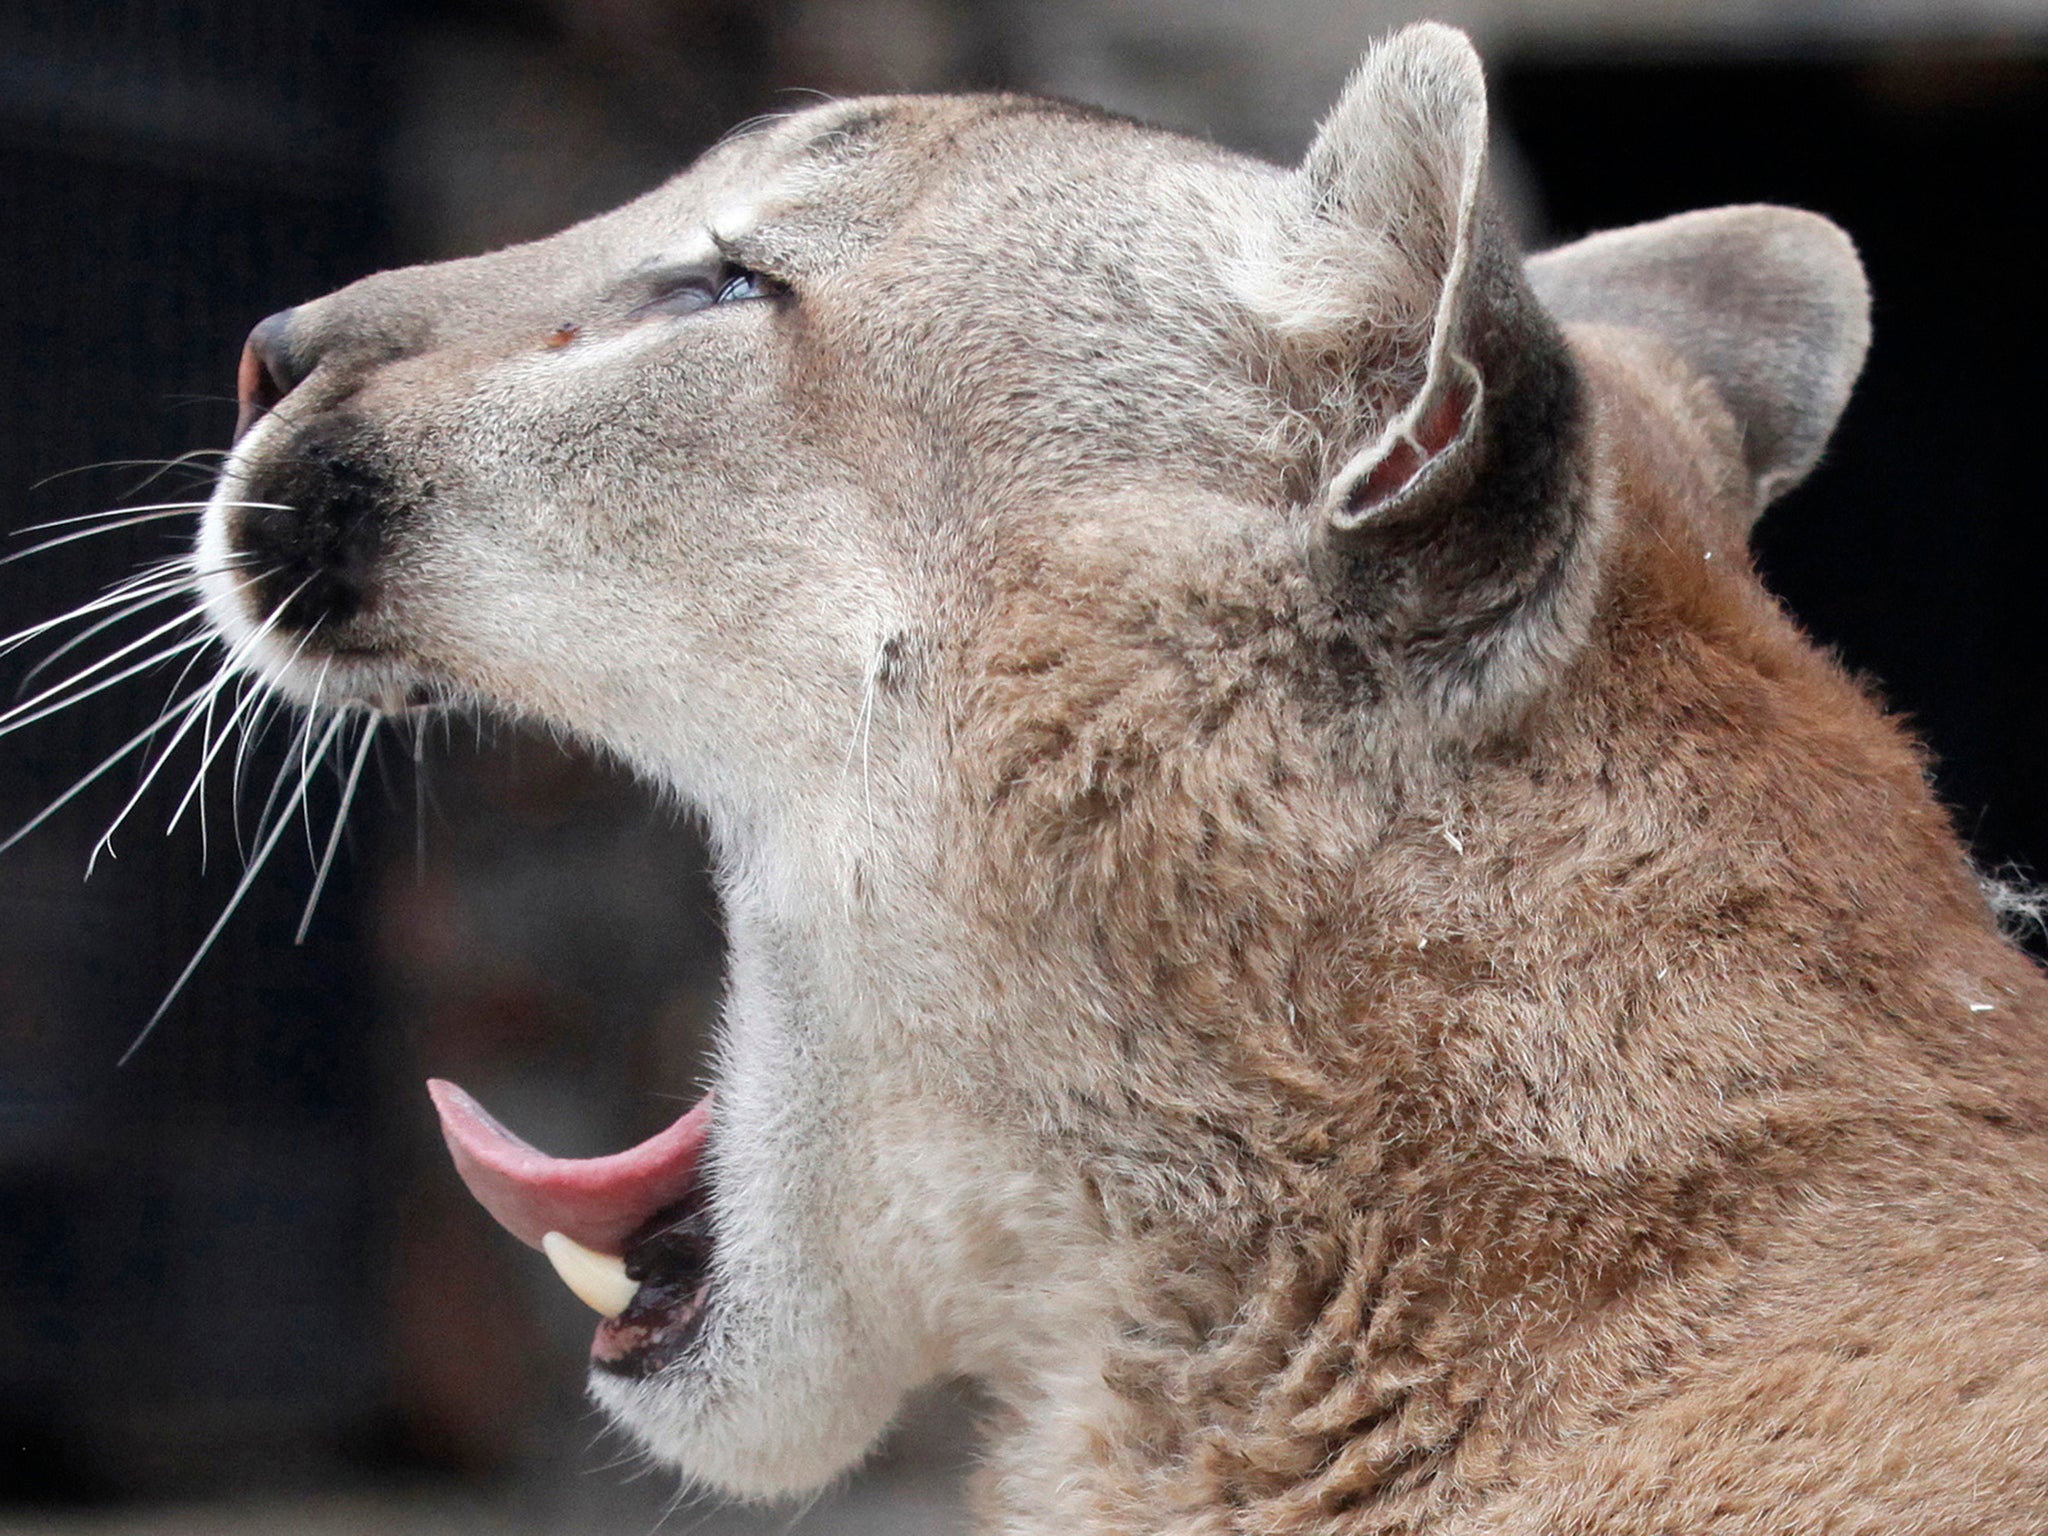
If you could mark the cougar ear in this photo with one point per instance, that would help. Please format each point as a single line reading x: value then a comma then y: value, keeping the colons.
x: 1444, y: 526
x: 1769, y: 305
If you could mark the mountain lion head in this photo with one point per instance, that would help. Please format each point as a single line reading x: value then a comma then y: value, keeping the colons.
x: 1295, y: 910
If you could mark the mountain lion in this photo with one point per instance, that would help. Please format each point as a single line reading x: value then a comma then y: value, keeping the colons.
x: 1295, y: 909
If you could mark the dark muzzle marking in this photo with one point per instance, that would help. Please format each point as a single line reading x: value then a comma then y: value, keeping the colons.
x: 325, y: 502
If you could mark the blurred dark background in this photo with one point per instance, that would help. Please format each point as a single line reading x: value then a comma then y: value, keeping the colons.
x: 236, y: 1277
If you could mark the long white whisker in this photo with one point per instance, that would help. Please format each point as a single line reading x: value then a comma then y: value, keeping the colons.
x: 862, y: 737
x: 183, y: 672
x: 149, y: 571
x: 182, y: 461
x: 209, y: 744
x: 83, y: 784
x: 159, y: 465
x: 138, y: 591
x: 167, y: 508
x: 234, y: 901
x: 308, y: 723
x: 257, y: 721
x: 190, y: 714
x: 200, y: 709
x: 212, y: 749
x: 11, y: 723
x: 220, y: 673
x: 130, y: 609
x: 348, y: 795
x: 267, y: 703
x: 306, y: 767
x: 183, y: 509
x: 105, y: 661
x: 238, y: 724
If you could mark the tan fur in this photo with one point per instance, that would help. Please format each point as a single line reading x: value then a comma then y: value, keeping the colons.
x: 1597, y: 1138
x: 1296, y: 909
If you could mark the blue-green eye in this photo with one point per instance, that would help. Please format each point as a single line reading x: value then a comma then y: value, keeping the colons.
x: 742, y: 284
x: 683, y: 293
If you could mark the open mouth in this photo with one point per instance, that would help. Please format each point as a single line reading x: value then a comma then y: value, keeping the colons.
x: 630, y: 1233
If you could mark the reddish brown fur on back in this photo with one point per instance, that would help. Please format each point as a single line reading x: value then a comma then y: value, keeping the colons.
x: 1631, y: 1123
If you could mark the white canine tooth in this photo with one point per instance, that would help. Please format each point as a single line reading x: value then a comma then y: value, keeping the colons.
x: 599, y: 1280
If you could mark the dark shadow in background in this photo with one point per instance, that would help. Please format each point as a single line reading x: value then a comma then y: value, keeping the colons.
x: 185, y: 1282
x: 192, y: 1274
x: 1917, y: 549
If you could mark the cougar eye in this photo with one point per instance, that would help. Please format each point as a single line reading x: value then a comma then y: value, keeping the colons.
x: 742, y: 284
x: 727, y: 283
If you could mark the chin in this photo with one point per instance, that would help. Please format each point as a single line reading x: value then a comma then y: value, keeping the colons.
x: 760, y: 1406
x: 747, y: 1360
x: 758, y: 1331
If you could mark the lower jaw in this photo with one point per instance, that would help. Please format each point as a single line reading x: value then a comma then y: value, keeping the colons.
x: 671, y: 1259
x: 650, y: 1337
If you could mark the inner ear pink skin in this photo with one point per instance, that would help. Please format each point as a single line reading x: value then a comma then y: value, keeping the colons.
x: 1399, y: 465
x: 1412, y: 452
x: 599, y: 1201
x: 1442, y: 423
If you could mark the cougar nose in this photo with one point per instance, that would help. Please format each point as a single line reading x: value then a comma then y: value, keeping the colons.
x: 268, y: 373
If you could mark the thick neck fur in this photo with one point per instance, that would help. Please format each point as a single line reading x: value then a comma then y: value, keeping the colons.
x: 1442, y: 1111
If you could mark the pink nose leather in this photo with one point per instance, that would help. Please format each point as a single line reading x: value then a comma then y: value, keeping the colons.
x: 266, y: 374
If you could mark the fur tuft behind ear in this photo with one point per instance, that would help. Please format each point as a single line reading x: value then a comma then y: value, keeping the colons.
x: 1769, y: 305
x: 1451, y: 502
x: 1379, y: 198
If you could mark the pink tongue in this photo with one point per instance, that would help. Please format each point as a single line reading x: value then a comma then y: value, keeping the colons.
x: 599, y: 1201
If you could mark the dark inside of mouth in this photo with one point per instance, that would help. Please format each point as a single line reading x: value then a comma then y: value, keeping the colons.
x: 670, y: 1257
